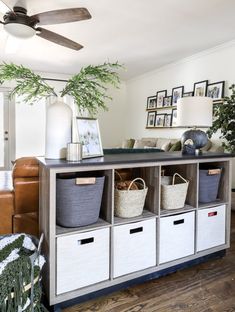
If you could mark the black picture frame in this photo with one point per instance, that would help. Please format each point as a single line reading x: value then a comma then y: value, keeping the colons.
x: 151, y: 117
x: 200, y: 88
x: 167, y: 101
x: 167, y: 120
x: 151, y: 102
x: 161, y: 118
x: 160, y: 96
x: 186, y: 94
x: 173, y: 117
x: 216, y: 90
x: 177, y: 93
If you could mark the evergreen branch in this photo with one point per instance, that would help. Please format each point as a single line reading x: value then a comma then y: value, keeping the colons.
x: 88, y: 87
x: 29, y: 85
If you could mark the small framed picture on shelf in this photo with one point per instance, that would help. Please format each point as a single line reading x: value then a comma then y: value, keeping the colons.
x: 151, y: 119
x: 177, y: 93
x: 159, y: 121
x: 160, y: 96
x: 167, y: 101
x: 216, y: 91
x: 89, y: 136
x: 151, y: 102
x: 174, y: 117
x: 200, y: 88
x: 167, y: 120
x: 186, y: 94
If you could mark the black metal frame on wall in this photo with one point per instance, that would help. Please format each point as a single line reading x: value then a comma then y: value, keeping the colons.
x: 164, y: 102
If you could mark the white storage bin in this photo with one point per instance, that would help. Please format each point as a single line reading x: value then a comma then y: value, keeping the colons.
x: 176, y: 236
x: 134, y: 247
x: 211, y: 227
x: 82, y: 260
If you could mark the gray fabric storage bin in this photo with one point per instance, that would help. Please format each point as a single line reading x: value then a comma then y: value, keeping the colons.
x: 78, y: 205
x: 208, y: 186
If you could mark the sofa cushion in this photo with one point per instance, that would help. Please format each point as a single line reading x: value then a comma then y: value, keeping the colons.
x: 153, y: 140
x: 207, y: 146
x: 175, y: 147
x: 128, y: 143
x: 216, y: 148
x: 164, y: 144
x: 142, y: 143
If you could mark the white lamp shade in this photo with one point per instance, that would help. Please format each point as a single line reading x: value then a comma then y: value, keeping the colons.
x: 195, y: 111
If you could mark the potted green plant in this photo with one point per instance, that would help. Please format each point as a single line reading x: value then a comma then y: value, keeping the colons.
x: 88, y: 88
x: 224, y: 121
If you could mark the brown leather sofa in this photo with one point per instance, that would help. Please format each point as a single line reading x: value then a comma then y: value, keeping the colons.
x: 19, y: 197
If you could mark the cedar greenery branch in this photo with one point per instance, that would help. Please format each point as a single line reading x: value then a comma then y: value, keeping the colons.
x: 88, y: 88
x: 224, y: 120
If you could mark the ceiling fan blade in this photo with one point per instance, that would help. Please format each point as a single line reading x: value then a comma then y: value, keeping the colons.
x: 4, y: 8
x: 62, y: 16
x: 58, y: 39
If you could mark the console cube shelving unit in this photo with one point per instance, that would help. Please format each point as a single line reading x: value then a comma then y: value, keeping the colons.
x: 114, y: 250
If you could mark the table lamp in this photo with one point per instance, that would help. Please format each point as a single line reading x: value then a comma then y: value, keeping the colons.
x: 195, y: 112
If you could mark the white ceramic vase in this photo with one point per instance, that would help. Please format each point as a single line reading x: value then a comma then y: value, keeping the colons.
x: 58, y: 130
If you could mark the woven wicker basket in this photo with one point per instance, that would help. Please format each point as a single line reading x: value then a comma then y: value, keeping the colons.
x: 173, y: 196
x: 130, y: 203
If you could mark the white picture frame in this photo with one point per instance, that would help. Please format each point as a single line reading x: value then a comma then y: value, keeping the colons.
x: 89, y: 136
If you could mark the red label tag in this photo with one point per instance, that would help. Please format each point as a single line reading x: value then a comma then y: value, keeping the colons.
x: 211, y: 214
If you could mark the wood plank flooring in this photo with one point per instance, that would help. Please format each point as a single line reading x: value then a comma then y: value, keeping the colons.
x: 208, y: 287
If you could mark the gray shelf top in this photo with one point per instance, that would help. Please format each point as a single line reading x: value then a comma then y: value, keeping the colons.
x: 60, y: 231
x: 131, y: 158
x: 145, y: 215
x: 170, y: 212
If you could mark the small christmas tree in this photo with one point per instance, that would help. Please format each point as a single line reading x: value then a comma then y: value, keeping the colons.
x: 224, y: 120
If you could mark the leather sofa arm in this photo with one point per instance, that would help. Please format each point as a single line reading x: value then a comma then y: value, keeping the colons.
x: 6, y: 212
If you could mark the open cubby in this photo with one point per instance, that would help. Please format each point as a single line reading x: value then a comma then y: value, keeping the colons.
x: 189, y: 172
x: 224, y: 189
x: 105, y: 215
x: 151, y: 176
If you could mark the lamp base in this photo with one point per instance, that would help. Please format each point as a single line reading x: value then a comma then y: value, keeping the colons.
x: 198, y: 137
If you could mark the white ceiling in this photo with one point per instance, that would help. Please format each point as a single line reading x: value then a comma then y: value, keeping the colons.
x: 144, y: 35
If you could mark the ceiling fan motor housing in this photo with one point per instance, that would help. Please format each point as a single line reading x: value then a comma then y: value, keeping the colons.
x: 19, y: 24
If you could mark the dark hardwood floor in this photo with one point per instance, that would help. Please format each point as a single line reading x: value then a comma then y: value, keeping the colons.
x: 208, y: 287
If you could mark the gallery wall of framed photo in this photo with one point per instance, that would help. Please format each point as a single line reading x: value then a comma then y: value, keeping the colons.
x: 161, y: 108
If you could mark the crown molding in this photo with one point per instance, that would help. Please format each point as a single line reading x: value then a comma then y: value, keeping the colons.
x: 184, y: 60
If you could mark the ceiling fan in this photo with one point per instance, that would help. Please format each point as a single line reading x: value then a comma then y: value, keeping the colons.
x: 17, y: 23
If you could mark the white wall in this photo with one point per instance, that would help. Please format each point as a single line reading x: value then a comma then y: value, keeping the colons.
x: 215, y: 65
x: 30, y: 123
x: 112, y: 123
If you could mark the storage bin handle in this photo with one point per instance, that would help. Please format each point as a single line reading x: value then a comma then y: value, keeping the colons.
x: 177, y: 174
x: 86, y: 241
x: 136, y: 230
x: 136, y: 180
x: 176, y: 222
x: 212, y: 214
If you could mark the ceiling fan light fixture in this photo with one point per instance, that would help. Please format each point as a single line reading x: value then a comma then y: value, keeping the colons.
x: 19, y: 30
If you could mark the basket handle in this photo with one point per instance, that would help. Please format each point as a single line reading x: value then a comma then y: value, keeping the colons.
x: 118, y: 174
x: 177, y: 174
x: 134, y: 181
